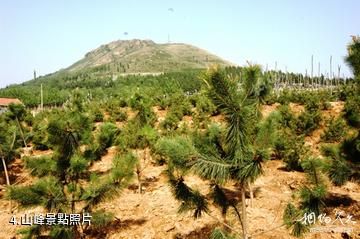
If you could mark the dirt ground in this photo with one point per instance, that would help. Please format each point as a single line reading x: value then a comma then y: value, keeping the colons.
x: 153, y: 214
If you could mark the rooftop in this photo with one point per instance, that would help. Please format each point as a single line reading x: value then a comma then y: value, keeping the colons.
x: 8, y: 101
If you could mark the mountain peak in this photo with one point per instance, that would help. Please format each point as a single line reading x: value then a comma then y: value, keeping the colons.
x: 138, y: 55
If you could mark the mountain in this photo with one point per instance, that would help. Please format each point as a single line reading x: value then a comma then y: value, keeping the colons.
x: 131, y: 56
x: 107, y: 71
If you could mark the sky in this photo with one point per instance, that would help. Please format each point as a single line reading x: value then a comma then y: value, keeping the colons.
x: 47, y: 35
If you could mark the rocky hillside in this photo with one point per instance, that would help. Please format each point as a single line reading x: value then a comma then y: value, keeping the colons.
x: 130, y: 56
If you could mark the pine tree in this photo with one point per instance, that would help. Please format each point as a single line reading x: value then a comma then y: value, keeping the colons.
x: 64, y: 184
x: 17, y: 113
x: 7, y: 149
x: 237, y: 156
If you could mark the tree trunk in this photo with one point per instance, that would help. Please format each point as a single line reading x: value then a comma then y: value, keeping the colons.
x: 6, y: 177
x: 73, y: 198
x: 237, y: 213
x: 225, y: 228
x: 251, y: 194
x: 21, y: 132
x: 138, y: 173
x: 243, y: 208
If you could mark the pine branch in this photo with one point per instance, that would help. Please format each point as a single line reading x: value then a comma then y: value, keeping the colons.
x: 190, y: 199
x: 212, y: 168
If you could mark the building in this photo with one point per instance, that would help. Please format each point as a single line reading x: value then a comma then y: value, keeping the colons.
x: 5, y: 102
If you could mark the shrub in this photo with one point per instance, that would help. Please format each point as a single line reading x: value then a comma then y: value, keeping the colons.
x: 352, y: 111
x: 339, y: 171
x: 326, y: 105
x: 290, y: 148
x: 163, y: 103
x: 170, y: 122
x: 98, y: 116
x: 293, y: 156
x: 146, y: 136
x: 105, y: 138
x: 287, y: 118
x: 308, y: 121
x: 40, y: 138
x: 335, y: 130
x: 312, y: 103
x: 177, y: 150
x: 29, y: 119
x: 123, y: 103
x: 40, y: 166
x: 201, y: 120
x: 127, y: 137
x: 350, y: 149
x: 344, y: 164
x: 204, y: 105
x: 119, y: 115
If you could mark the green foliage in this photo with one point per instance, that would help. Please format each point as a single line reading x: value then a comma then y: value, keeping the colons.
x: 293, y: 157
x: 177, y: 150
x: 313, y: 166
x: 16, y: 111
x: 221, y: 200
x: 313, y: 194
x: 291, y: 149
x: 78, y: 165
x: 170, y: 122
x: 312, y: 199
x: 64, y: 184
x: 123, y: 165
x: 40, y: 136
x: 133, y: 136
x: 97, y: 115
x: 336, y: 129
x: 350, y: 148
x: 299, y: 229
x: 353, y: 57
x: 217, y: 233
x: 352, y: 111
x: 99, y: 86
x: 101, y: 218
x: 119, y: 115
x: 30, y: 232
x: 190, y: 199
x: 61, y: 232
x: 179, y: 105
x: 46, y: 192
x: 326, y: 105
x: 147, y: 136
x: 343, y: 166
x: 29, y: 118
x: 291, y: 218
x: 311, y: 98
x: 204, y: 105
x: 8, y: 146
x: 291, y: 214
x: 286, y: 117
x: 209, y: 141
x: 145, y: 115
x: 339, y: 171
x: 105, y: 138
x: 239, y: 153
x: 313, y: 103
x: 128, y: 136
x: 40, y: 166
x: 308, y: 121
x: 25, y: 195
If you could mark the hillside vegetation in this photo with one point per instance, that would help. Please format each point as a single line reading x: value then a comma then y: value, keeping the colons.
x: 227, y: 152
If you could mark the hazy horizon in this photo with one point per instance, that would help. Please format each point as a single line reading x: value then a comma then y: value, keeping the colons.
x: 47, y: 36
